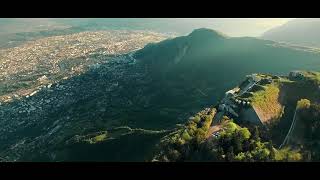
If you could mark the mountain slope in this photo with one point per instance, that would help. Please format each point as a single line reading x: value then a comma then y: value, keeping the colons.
x: 212, y: 63
x: 153, y: 90
x: 299, y: 31
x: 194, y: 71
x: 211, y: 134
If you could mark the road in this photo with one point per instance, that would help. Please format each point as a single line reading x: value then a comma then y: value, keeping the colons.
x: 290, y: 130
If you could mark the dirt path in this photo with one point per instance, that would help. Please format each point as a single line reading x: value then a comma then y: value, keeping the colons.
x: 212, y: 130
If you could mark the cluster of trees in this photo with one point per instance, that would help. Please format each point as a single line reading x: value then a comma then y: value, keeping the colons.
x: 178, y: 145
x: 309, y: 117
x: 234, y: 143
x: 239, y: 144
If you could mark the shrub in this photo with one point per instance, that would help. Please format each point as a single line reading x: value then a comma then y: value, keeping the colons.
x: 286, y: 154
x: 230, y: 127
x: 245, y: 133
x: 186, y: 136
x: 240, y: 157
x: 196, y: 119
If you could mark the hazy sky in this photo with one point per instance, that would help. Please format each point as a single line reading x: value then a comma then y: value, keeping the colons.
x: 240, y: 26
x: 229, y: 26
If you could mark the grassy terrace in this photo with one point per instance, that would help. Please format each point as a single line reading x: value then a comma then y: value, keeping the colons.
x: 262, y: 98
x: 265, y: 99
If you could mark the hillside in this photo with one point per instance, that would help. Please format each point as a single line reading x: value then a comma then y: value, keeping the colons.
x: 121, y: 105
x: 178, y: 66
x: 230, y: 143
x: 208, y: 63
x: 305, y: 131
x: 275, y: 101
x: 299, y: 31
x: 224, y: 136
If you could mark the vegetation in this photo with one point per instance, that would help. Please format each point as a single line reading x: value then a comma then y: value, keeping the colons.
x: 189, y: 72
x: 177, y: 145
x: 239, y: 144
x: 234, y: 143
x: 312, y: 76
x: 263, y: 98
x: 303, y: 104
x: 97, y: 139
x: 306, y: 133
x: 286, y: 154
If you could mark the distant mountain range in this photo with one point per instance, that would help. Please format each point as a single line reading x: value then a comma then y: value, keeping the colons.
x: 298, y: 31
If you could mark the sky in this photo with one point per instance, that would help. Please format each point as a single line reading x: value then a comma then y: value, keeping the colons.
x: 234, y: 27
x: 237, y: 27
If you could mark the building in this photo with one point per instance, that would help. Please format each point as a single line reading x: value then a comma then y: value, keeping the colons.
x: 253, y: 78
x: 232, y: 92
x: 297, y: 75
x: 228, y: 109
x: 234, y: 105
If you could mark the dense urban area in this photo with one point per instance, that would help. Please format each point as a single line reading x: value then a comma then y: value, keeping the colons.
x: 24, y: 69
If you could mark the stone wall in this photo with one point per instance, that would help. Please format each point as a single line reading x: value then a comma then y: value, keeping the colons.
x: 249, y: 114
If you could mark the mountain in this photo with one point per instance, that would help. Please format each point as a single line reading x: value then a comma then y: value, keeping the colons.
x: 210, y: 63
x: 121, y: 107
x: 299, y: 31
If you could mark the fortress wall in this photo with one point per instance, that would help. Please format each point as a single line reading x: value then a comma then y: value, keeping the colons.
x: 249, y: 114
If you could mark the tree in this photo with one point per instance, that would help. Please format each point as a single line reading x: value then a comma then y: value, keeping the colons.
x: 256, y: 134
x: 186, y: 136
x: 272, y: 151
x: 173, y: 155
x: 237, y: 144
x: 230, y: 154
x: 303, y: 103
x: 244, y: 133
x: 246, y: 145
x: 200, y: 135
x: 240, y: 157
x: 231, y: 127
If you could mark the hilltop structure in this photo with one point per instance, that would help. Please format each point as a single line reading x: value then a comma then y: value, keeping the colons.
x: 235, y: 104
x: 296, y: 75
x: 257, y: 99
